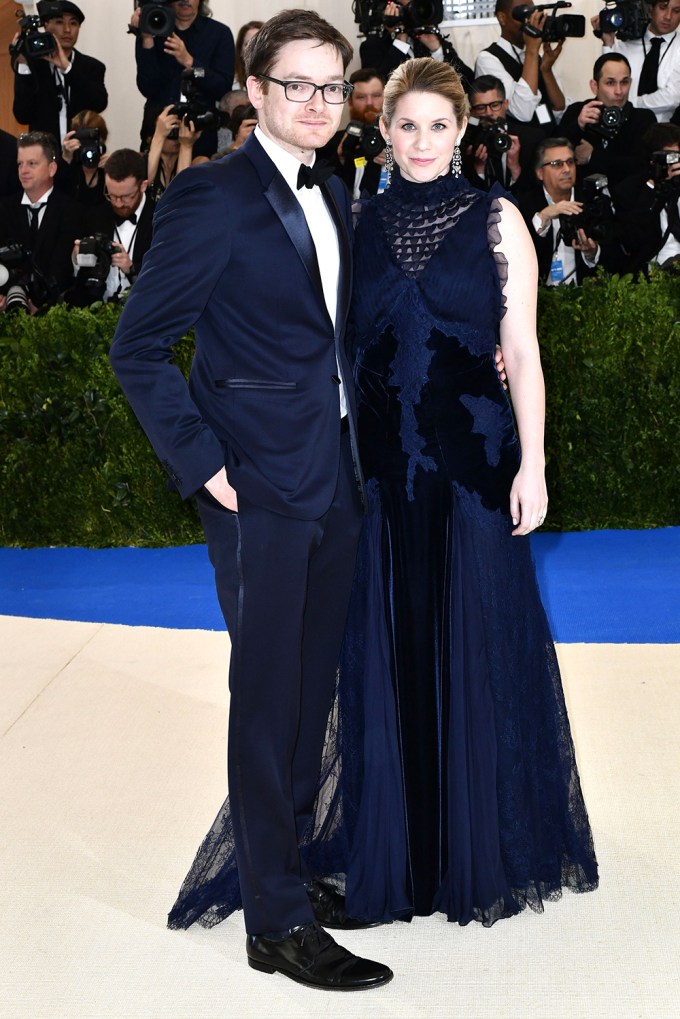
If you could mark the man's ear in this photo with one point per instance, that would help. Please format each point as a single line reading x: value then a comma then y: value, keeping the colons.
x: 255, y: 89
x: 143, y: 186
x: 593, y: 86
x: 53, y: 167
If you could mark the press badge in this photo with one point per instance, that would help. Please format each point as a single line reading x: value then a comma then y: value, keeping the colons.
x: 360, y: 161
x: 556, y: 271
x: 543, y: 114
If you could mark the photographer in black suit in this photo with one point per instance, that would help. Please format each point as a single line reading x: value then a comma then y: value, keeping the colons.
x: 648, y: 204
x: 50, y: 90
x: 607, y: 131
x: 123, y: 226
x: 43, y: 221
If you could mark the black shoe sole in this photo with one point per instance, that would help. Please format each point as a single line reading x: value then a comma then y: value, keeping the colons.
x: 263, y: 967
x: 352, y: 925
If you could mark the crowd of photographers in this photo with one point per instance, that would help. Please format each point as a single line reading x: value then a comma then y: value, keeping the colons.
x: 598, y: 181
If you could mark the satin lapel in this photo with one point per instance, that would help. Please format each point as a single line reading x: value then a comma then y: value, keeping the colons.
x: 345, y: 275
x: 287, y: 208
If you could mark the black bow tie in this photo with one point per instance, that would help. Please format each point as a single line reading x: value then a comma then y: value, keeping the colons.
x: 132, y: 218
x: 308, y: 176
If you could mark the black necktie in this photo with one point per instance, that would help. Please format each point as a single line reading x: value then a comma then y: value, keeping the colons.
x: 308, y: 176
x: 650, y: 67
x: 34, y: 224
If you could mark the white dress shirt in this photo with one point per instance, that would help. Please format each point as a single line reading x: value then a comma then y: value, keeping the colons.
x: 563, y: 263
x: 523, y: 103
x: 321, y: 227
x: 42, y: 201
x: 117, y: 282
x: 666, y: 99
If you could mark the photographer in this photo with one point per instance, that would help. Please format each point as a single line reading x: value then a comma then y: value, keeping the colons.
x: 196, y: 42
x: 547, y: 211
x: 607, y: 130
x: 533, y: 91
x: 648, y: 205
x: 83, y: 153
x: 49, y: 91
x: 400, y: 32
x: 169, y: 141
x: 496, y: 147
x: 654, y: 58
x: 358, y: 152
x: 125, y: 223
x: 42, y: 221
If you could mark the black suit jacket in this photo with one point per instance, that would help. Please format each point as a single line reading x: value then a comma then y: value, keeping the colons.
x: 638, y: 212
x: 59, y: 229
x: 36, y: 100
x: 232, y: 255
x: 618, y: 157
x: 9, y: 178
x: 529, y: 137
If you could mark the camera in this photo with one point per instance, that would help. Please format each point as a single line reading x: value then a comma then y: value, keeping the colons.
x: 612, y: 119
x: 596, y: 218
x: 94, y: 262
x: 33, y: 42
x: 627, y: 18
x: 193, y: 108
x: 661, y: 161
x: 91, y: 148
x: 15, y: 276
x: 493, y: 134
x: 362, y: 140
x: 157, y: 18
x: 414, y: 16
x: 556, y: 27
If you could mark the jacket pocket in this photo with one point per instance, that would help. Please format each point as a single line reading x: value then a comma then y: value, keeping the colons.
x: 253, y: 384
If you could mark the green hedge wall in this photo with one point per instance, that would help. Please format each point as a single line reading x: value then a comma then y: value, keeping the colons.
x: 77, y: 469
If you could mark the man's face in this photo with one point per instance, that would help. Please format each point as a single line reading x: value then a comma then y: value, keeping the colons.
x: 511, y: 28
x: 558, y: 172
x: 366, y: 101
x: 613, y: 85
x: 489, y: 105
x: 124, y: 195
x: 664, y: 17
x: 186, y: 10
x: 65, y: 29
x: 35, y: 170
x: 299, y: 127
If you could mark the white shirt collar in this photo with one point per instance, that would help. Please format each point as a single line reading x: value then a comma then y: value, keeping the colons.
x: 287, y: 164
x: 25, y: 200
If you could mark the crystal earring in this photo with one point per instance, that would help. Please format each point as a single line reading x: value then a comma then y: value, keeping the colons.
x: 456, y: 162
x: 389, y: 163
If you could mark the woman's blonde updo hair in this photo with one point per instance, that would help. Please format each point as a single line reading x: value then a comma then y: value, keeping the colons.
x: 425, y: 75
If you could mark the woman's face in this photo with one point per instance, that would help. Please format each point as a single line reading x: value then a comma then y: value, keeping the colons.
x: 423, y: 133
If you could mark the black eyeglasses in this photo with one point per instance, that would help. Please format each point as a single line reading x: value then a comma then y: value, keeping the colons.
x: 303, y: 91
x: 557, y: 163
x: 494, y: 106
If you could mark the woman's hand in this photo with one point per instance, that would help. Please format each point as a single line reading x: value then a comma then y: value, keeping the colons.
x: 528, y: 499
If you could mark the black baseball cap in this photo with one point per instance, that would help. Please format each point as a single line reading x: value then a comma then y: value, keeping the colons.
x: 48, y: 9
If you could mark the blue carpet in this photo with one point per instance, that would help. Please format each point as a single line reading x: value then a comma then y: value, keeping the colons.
x: 598, y: 586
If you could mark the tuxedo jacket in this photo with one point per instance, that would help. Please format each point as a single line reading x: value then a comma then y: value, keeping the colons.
x: 60, y: 227
x: 100, y: 219
x: 36, y: 100
x: 232, y: 255
x: 616, y: 157
x: 638, y: 210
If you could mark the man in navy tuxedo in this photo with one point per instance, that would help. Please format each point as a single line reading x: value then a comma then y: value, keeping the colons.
x: 256, y: 255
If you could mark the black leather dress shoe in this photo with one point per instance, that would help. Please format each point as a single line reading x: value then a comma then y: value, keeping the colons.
x: 310, y: 956
x: 329, y: 910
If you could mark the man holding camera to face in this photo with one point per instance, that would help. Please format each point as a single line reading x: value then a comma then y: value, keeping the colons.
x: 397, y: 31
x: 174, y: 39
x: 607, y: 131
x: 49, y: 90
x: 648, y: 205
x: 652, y: 48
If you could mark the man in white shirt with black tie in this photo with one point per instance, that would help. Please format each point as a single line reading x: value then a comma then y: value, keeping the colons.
x: 654, y: 60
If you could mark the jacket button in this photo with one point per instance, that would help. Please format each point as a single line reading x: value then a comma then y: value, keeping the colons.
x: 336, y: 379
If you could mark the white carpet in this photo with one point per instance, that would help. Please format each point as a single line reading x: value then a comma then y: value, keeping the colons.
x: 112, y: 749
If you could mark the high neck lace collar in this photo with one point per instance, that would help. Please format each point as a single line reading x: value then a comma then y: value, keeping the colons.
x: 416, y: 194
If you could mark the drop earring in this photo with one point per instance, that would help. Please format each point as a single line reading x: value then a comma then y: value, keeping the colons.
x: 456, y: 162
x: 389, y: 163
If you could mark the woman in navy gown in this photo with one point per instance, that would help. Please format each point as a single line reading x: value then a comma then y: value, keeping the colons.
x: 449, y: 781
x: 463, y: 794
